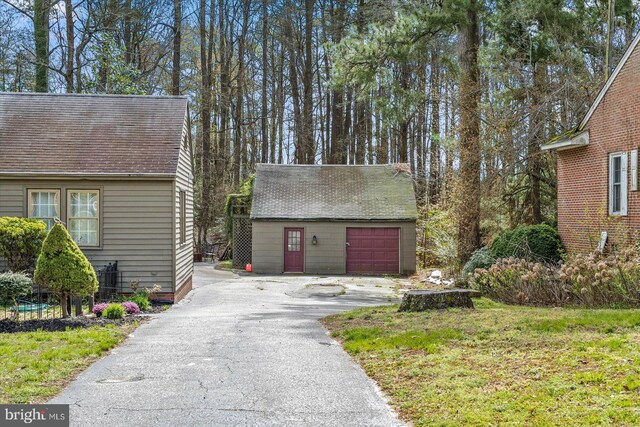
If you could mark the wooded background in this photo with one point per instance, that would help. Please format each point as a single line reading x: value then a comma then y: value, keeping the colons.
x: 464, y: 91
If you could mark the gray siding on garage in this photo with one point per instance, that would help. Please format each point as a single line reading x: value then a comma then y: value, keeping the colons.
x: 329, y: 255
x: 184, y: 182
x: 136, y: 223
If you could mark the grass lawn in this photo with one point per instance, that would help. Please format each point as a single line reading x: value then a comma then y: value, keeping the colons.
x: 499, y: 364
x: 225, y: 265
x: 37, y: 365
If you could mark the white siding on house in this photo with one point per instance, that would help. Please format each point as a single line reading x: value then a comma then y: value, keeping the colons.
x: 184, y: 182
x: 135, y: 223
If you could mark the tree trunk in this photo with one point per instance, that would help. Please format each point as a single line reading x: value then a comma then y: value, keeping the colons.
x: 308, y: 143
x: 469, y: 203
x: 403, y: 154
x: 434, y: 147
x: 205, y: 116
x: 295, y: 96
x: 177, y: 40
x: 41, y: 9
x: 222, y: 153
x: 64, y: 305
x: 68, y: 11
x: 534, y: 164
x: 264, y: 152
x: 238, y: 140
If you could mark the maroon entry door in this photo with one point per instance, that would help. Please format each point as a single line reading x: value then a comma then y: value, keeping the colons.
x: 373, y: 250
x: 294, y: 250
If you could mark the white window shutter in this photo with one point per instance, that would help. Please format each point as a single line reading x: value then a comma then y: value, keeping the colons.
x: 625, y: 180
x: 634, y: 170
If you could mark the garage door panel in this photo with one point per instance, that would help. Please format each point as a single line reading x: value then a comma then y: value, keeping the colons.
x: 373, y: 250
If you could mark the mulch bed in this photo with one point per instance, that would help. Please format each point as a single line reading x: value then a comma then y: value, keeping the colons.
x: 55, y: 325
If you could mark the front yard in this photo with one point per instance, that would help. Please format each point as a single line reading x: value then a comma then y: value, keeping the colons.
x: 500, y: 364
x: 37, y: 365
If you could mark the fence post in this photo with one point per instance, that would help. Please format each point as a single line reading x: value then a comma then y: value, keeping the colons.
x: 77, y: 302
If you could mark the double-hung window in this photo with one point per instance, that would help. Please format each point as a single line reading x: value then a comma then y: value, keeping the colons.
x: 618, y: 184
x: 83, y: 216
x: 44, y: 205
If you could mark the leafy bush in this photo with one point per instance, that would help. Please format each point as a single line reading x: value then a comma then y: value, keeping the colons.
x: 131, y: 307
x: 12, y: 287
x: 246, y: 191
x: 518, y: 281
x: 481, y: 258
x: 63, y: 268
x: 141, y: 301
x: 20, y: 241
x: 99, y: 308
x: 531, y: 242
x: 436, y: 237
x: 113, y: 311
x: 149, y: 293
x: 598, y: 279
x: 593, y: 280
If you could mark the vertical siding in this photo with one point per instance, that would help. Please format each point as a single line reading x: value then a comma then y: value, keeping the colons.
x: 329, y: 255
x: 184, y: 182
x: 135, y: 219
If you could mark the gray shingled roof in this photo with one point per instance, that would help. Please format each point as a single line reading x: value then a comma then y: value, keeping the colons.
x: 72, y: 134
x: 332, y: 192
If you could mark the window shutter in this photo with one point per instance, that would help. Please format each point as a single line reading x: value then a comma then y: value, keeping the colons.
x: 624, y: 184
x: 634, y: 170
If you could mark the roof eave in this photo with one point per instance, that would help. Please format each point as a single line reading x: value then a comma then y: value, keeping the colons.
x: 403, y: 219
x: 81, y: 175
x: 580, y: 139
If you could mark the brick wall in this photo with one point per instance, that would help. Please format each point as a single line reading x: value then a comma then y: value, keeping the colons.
x: 583, y: 172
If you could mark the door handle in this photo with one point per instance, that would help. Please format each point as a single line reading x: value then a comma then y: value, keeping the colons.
x: 348, y: 244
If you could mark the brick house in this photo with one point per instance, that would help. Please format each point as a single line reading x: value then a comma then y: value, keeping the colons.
x: 597, y: 164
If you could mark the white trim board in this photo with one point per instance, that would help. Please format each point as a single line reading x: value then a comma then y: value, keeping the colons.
x: 579, y: 139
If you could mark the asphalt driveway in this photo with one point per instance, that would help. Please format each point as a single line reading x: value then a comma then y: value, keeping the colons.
x: 238, y: 351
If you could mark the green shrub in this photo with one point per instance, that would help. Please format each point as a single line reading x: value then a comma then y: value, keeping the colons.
x: 246, y: 191
x: 593, y: 280
x: 20, y: 241
x: 141, y: 300
x: 531, y: 242
x: 436, y: 237
x: 518, y: 281
x: 113, y: 311
x: 63, y: 268
x: 597, y: 279
x: 481, y: 258
x: 12, y: 287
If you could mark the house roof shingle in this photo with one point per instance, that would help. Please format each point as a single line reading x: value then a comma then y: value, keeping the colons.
x: 333, y: 192
x: 73, y: 134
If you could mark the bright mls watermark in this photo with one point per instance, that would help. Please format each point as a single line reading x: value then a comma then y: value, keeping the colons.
x: 34, y: 415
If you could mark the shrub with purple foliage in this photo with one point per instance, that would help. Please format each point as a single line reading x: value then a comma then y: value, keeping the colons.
x: 131, y: 307
x: 99, y: 308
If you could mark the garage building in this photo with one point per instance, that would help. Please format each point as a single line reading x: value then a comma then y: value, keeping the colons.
x: 333, y: 219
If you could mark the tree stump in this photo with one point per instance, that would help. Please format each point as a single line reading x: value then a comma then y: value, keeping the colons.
x: 421, y: 300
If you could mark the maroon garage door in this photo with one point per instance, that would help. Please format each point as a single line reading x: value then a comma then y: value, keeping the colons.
x: 373, y: 250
